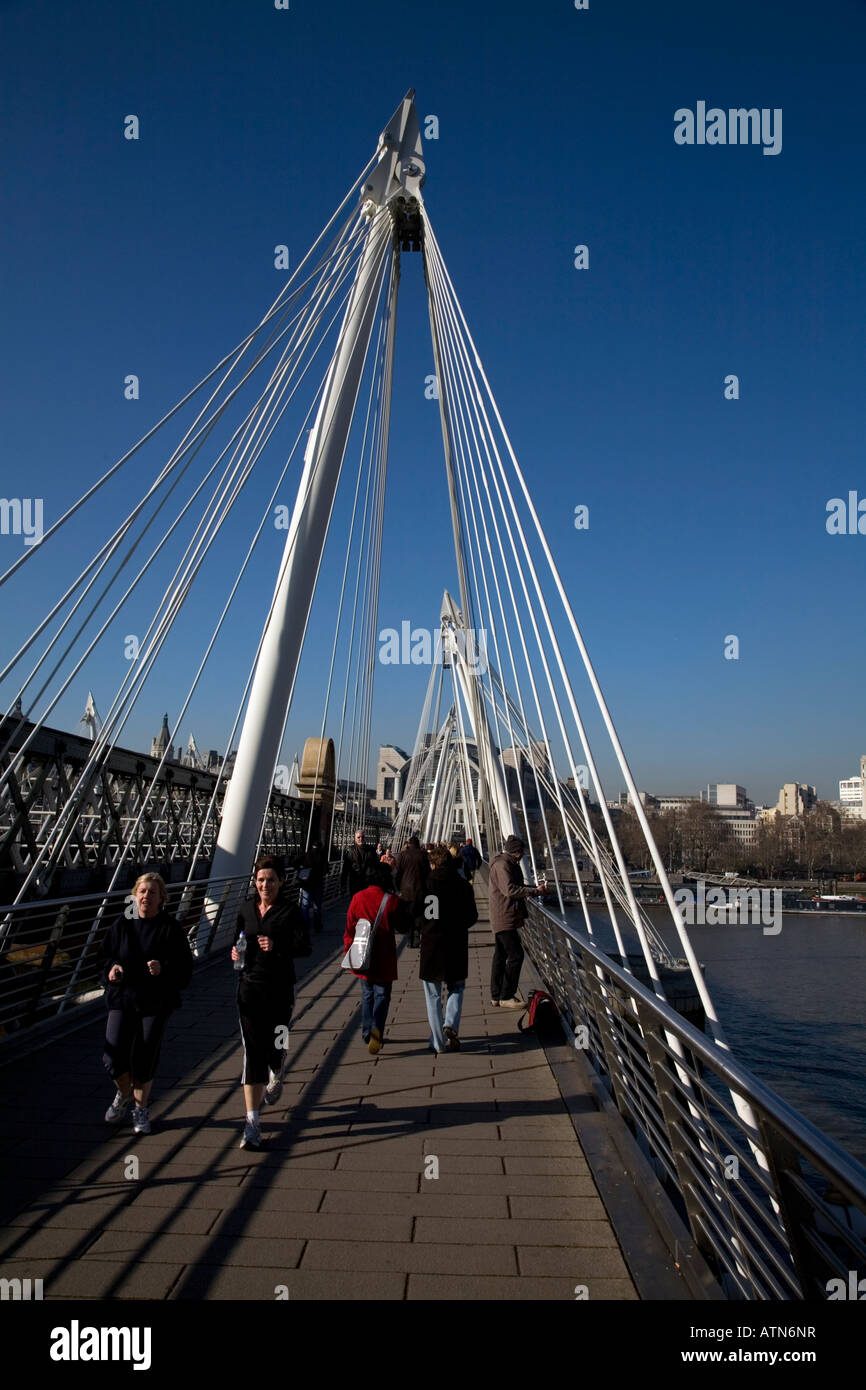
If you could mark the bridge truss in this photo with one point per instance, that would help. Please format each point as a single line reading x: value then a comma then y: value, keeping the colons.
x: 132, y: 810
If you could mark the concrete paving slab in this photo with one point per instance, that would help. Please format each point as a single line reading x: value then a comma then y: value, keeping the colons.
x: 408, y: 1258
x: 426, y: 1202
x: 441, y: 1286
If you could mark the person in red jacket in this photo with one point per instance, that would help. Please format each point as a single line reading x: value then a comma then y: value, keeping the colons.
x: 377, y: 980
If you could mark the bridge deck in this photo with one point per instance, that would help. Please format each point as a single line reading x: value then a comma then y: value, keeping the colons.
x: 338, y: 1205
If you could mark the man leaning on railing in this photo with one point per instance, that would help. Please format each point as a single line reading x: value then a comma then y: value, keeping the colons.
x: 508, y: 894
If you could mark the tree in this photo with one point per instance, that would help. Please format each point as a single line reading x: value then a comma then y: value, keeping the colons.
x: 668, y: 837
x: 703, y: 833
x: 772, y: 847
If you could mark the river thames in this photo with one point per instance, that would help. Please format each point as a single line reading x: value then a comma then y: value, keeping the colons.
x: 792, y: 1008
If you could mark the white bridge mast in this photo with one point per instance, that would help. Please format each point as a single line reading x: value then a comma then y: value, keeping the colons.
x: 397, y: 178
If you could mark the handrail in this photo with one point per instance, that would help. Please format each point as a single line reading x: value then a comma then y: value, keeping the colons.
x: 765, y: 1234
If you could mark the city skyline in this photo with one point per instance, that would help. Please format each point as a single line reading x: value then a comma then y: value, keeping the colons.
x: 614, y: 795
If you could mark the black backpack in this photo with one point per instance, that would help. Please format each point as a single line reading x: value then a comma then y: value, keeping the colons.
x: 541, y: 1017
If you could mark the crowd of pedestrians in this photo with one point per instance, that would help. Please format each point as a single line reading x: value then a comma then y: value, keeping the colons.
x: 433, y: 903
x: 424, y: 894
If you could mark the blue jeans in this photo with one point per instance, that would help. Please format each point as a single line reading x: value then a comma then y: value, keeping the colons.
x: 453, y: 1009
x: 374, y: 1007
x: 310, y: 909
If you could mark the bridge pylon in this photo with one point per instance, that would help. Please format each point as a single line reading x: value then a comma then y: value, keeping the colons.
x: 387, y: 194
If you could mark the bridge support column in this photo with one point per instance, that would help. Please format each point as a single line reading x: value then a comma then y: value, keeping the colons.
x: 399, y: 171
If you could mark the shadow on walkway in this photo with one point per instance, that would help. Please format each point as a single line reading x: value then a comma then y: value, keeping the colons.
x: 451, y: 1176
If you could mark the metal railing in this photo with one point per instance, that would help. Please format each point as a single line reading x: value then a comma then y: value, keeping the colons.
x: 777, y: 1209
x: 50, y: 948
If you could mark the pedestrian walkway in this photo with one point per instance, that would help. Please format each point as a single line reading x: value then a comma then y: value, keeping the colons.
x: 404, y: 1176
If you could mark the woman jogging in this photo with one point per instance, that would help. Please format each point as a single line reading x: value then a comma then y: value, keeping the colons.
x: 274, y: 932
x: 146, y: 963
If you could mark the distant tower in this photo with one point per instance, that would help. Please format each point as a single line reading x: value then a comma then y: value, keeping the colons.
x: 863, y: 787
x: 161, y: 743
x: 91, y: 717
x: 294, y: 777
x: 193, y: 756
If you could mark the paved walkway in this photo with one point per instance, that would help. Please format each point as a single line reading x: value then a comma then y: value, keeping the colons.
x: 405, y: 1176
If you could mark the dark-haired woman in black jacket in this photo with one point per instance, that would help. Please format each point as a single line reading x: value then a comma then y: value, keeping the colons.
x: 275, y: 933
x: 446, y: 910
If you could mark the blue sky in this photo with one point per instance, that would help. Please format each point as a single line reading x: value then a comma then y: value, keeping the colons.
x: 556, y: 127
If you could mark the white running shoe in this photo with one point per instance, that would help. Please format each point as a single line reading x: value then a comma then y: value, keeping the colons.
x: 274, y: 1088
x: 118, y: 1108
x: 252, y: 1136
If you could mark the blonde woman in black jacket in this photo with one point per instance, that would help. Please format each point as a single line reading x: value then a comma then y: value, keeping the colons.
x: 146, y: 963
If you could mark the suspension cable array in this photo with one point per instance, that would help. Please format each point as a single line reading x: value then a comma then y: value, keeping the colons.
x: 189, y: 508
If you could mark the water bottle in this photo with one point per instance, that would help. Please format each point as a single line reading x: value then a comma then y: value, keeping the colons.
x: 241, y: 948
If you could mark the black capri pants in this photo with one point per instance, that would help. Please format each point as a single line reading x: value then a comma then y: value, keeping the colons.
x: 262, y: 1015
x: 132, y: 1043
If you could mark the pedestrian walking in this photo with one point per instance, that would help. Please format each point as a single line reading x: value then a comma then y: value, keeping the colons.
x: 359, y: 865
x: 378, y: 977
x: 270, y: 933
x: 410, y: 876
x: 146, y: 962
x: 508, y: 894
x: 388, y: 864
x: 449, y: 911
x: 471, y: 859
x: 311, y: 885
x: 454, y: 853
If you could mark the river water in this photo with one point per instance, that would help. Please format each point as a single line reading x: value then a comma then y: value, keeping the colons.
x: 792, y: 1007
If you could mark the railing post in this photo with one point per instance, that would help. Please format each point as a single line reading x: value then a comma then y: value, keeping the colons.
x: 47, y: 961
x: 608, y: 1042
x: 658, y: 1057
x: 794, y: 1210
x: 217, y: 917
x: 82, y: 955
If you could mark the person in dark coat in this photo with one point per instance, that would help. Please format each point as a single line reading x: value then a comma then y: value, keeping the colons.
x: 387, y: 865
x: 410, y: 876
x: 412, y: 869
x: 471, y: 859
x: 274, y: 932
x: 377, y: 980
x: 508, y: 894
x: 359, y: 866
x: 146, y: 962
x: 456, y: 858
x: 311, y: 884
x: 448, y: 912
